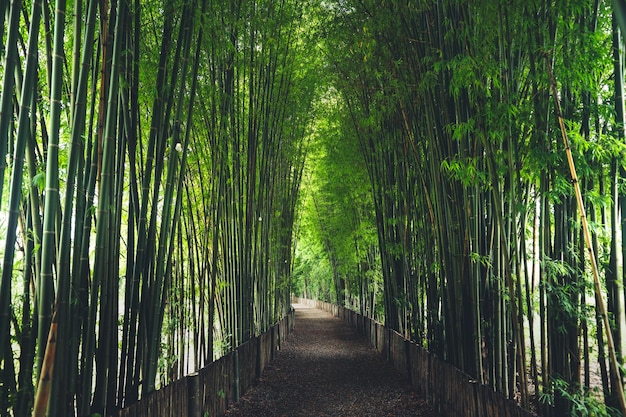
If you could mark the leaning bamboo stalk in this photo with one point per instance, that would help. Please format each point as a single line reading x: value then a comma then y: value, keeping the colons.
x: 46, y: 376
x: 15, y: 190
x: 51, y: 203
x: 4, y: 7
x: 8, y: 80
x: 592, y: 257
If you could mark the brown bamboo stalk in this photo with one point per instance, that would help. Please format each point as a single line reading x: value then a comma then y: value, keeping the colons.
x: 592, y: 257
x: 47, y: 369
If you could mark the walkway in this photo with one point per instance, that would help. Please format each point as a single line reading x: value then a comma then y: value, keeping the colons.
x: 326, y: 369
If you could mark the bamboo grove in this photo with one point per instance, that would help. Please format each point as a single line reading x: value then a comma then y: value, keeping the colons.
x: 478, y: 250
x: 153, y: 154
x: 151, y: 160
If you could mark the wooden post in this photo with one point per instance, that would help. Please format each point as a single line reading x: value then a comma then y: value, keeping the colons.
x: 193, y: 395
x: 259, y: 354
x: 236, y: 375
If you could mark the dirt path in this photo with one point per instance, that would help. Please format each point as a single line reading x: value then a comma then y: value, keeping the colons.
x: 326, y: 369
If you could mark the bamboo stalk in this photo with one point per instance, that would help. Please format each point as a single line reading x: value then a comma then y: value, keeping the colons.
x: 592, y: 257
x: 8, y: 80
x: 15, y: 190
x: 47, y: 370
x: 5, y: 107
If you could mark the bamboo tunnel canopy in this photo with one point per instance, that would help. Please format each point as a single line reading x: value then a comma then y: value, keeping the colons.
x: 173, y: 172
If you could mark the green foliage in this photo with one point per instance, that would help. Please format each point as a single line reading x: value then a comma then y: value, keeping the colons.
x: 583, y: 402
x: 466, y: 172
x: 39, y: 181
x: 226, y: 88
x: 336, y: 215
x: 433, y: 182
x: 453, y: 113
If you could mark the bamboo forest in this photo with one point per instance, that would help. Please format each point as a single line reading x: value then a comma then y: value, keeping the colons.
x: 173, y: 171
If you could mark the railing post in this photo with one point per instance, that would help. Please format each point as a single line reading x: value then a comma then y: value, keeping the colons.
x: 259, y: 355
x: 193, y: 395
x: 236, y: 375
x: 409, y: 365
x: 273, y: 342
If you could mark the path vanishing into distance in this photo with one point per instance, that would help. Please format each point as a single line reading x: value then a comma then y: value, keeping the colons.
x: 326, y: 369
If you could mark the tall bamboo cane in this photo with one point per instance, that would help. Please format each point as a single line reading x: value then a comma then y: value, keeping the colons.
x: 23, y: 132
x: 4, y: 7
x: 103, y: 270
x: 61, y: 389
x: 50, y: 210
x: 47, y: 371
x: 168, y: 225
x: 8, y: 82
x: 590, y: 251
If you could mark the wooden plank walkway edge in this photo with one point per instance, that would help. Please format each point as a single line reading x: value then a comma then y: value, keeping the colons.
x: 450, y: 391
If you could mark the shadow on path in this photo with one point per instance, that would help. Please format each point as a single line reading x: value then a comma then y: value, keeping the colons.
x: 326, y: 369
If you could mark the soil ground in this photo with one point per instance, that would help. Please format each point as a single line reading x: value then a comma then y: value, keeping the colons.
x: 326, y: 369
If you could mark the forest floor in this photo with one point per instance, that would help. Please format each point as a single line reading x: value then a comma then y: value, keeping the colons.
x: 326, y: 369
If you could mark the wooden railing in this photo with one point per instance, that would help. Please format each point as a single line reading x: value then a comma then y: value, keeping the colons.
x: 450, y: 391
x: 211, y: 390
